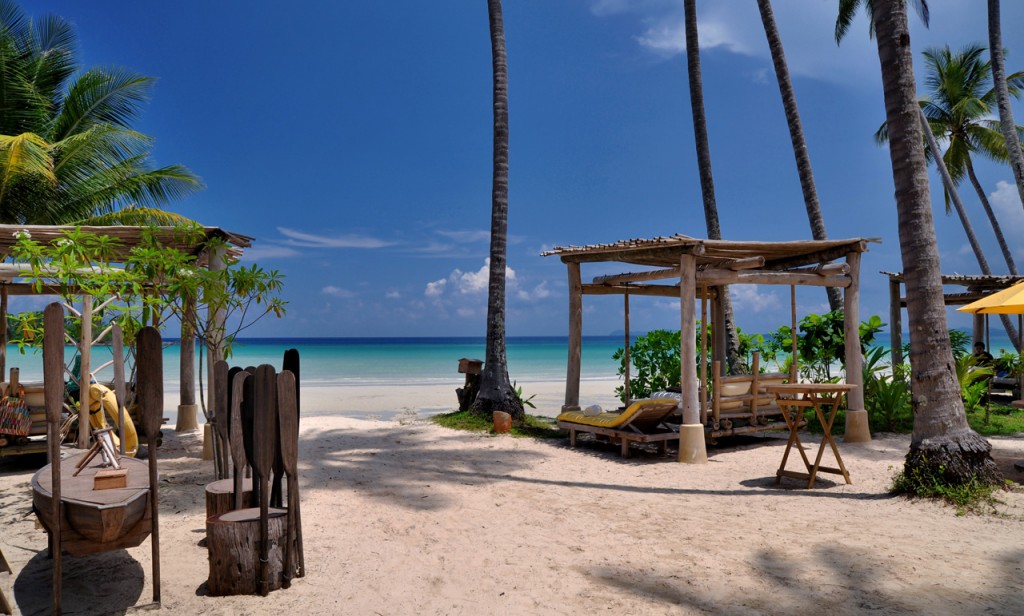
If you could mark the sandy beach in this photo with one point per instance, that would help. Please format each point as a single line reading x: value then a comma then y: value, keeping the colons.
x: 401, y: 516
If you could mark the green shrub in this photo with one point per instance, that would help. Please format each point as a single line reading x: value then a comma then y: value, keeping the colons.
x: 655, y: 364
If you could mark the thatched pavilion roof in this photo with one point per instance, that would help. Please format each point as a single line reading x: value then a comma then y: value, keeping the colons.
x: 129, y: 237
x: 665, y: 251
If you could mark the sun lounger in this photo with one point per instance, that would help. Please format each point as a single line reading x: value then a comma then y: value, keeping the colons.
x: 642, y: 422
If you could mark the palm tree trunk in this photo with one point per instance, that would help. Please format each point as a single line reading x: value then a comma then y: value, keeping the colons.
x: 496, y: 391
x: 1006, y: 121
x: 961, y: 211
x: 996, y: 228
x: 707, y: 182
x: 796, y: 135
x: 942, y: 445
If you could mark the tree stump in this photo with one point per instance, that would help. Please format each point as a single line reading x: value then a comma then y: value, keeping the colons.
x: 232, y: 540
x: 220, y: 496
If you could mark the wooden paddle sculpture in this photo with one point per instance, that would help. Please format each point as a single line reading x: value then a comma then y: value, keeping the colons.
x: 265, y: 442
x: 151, y: 401
x: 291, y: 364
x: 288, y: 418
x: 248, y: 428
x: 53, y: 392
x: 117, y: 345
x: 220, y: 386
x: 238, y: 390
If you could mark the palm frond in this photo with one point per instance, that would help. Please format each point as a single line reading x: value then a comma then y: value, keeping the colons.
x: 101, y: 96
x: 138, y: 217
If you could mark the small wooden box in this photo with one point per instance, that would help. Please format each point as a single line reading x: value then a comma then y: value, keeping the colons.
x: 110, y: 478
x: 470, y: 366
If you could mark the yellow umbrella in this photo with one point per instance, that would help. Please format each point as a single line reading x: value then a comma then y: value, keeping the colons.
x: 1007, y: 301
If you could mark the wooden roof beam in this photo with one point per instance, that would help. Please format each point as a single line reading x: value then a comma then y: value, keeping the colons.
x: 720, y: 277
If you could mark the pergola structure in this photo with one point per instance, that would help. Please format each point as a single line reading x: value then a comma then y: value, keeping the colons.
x: 12, y: 283
x: 695, y: 269
x: 975, y: 288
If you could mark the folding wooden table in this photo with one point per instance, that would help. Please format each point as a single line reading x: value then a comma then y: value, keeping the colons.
x: 824, y: 398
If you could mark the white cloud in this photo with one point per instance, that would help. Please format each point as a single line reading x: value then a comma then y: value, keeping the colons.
x: 393, y: 295
x: 269, y: 251
x: 467, y: 236
x: 436, y: 288
x: 1006, y: 203
x: 748, y: 297
x: 310, y: 240
x: 334, y: 291
x: 465, y: 312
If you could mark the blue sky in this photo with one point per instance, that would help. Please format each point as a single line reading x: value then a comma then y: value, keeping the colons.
x: 353, y: 141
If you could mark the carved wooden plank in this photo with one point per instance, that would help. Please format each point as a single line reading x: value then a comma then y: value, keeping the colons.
x: 265, y: 444
x: 151, y: 400
x: 53, y: 378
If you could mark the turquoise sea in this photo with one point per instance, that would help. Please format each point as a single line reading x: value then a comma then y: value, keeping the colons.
x: 380, y: 361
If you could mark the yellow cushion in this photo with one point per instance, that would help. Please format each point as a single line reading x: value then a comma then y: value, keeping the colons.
x: 610, y: 419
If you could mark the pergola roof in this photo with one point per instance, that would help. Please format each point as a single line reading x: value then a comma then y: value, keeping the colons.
x: 665, y: 251
x: 973, y: 282
x: 130, y: 237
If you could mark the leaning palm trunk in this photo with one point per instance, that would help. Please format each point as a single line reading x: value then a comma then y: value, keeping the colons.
x: 796, y: 135
x: 1006, y: 122
x: 496, y: 393
x: 707, y: 182
x: 961, y: 211
x: 990, y: 213
x: 942, y: 446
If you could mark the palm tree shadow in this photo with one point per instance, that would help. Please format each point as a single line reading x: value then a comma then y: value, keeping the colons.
x: 107, y: 583
x: 842, y: 577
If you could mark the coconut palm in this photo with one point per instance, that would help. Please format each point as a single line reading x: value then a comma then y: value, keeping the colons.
x: 1006, y: 123
x: 957, y: 108
x: 496, y: 392
x: 707, y: 182
x: 942, y: 445
x: 796, y: 135
x: 67, y: 152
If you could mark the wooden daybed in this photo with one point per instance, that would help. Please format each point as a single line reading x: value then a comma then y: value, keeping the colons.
x: 643, y: 421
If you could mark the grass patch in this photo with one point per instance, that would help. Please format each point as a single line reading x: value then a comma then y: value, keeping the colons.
x: 1003, y: 420
x: 971, y: 497
x: 533, y: 427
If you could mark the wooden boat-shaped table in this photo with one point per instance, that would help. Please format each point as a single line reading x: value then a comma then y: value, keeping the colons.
x: 95, y: 520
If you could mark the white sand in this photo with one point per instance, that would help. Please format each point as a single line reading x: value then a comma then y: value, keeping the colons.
x: 403, y: 517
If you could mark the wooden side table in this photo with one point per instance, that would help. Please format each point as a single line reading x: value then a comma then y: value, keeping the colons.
x: 824, y: 398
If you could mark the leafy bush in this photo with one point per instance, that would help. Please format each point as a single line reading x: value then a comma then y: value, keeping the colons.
x: 655, y: 362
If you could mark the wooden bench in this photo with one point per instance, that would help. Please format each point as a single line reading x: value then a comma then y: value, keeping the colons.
x: 740, y: 403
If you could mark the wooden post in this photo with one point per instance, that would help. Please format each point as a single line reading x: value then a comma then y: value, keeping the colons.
x: 794, y: 366
x: 896, y: 324
x: 214, y: 350
x: 187, y: 407
x: 117, y: 346
x: 718, y: 332
x: 857, y: 430
x: 53, y: 394
x: 3, y: 328
x: 703, y: 356
x: 625, y: 301
x: 572, y: 373
x: 691, y: 433
x: 150, y: 375
x: 84, y: 376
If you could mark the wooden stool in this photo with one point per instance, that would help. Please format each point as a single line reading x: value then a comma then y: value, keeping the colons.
x: 220, y: 496
x: 233, y: 539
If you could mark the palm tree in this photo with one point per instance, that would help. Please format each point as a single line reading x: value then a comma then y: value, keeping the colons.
x: 957, y: 108
x: 796, y: 135
x: 67, y: 152
x: 496, y: 392
x: 1006, y: 123
x: 707, y: 182
x: 942, y: 445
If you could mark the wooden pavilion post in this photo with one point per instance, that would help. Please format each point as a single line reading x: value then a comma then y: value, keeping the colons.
x: 187, y: 407
x: 703, y: 355
x: 718, y: 332
x: 895, y: 323
x: 978, y: 331
x: 692, y: 448
x: 857, y: 430
x: 572, y: 375
x: 3, y: 328
x: 626, y: 385
x: 84, y: 376
x: 214, y: 352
